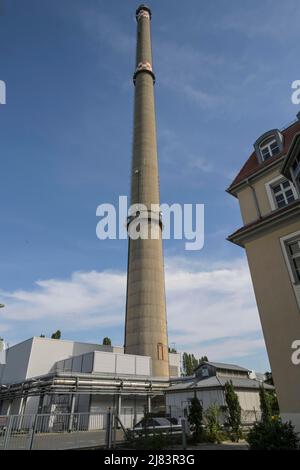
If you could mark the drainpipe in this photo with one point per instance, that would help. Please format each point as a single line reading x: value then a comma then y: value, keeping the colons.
x: 255, y: 198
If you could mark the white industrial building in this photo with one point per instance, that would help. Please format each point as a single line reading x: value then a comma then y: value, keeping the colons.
x: 208, y: 384
x: 44, y: 375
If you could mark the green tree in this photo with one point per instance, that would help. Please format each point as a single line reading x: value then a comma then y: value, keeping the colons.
x: 273, y: 402
x: 106, y: 341
x: 203, y: 359
x: 189, y: 363
x: 234, y: 411
x: 195, y: 418
x: 56, y: 335
x: 172, y: 350
x: 265, y: 405
x: 212, y: 423
x: 269, y: 378
x: 42, y: 336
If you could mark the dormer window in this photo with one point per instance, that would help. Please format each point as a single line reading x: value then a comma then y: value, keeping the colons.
x: 269, y: 149
x: 268, y: 145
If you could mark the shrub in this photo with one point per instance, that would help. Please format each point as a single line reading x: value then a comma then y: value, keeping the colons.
x: 153, y: 441
x: 195, y: 419
x: 212, y: 425
x: 265, y: 405
x: 271, y: 435
x: 234, y: 411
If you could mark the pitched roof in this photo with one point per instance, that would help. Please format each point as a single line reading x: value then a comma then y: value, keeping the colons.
x: 253, y: 164
x: 222, y: 365
x: 214, y: 381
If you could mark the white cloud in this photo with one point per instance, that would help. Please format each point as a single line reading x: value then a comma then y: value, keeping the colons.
x: 207, y: 303
x: 86, y: 299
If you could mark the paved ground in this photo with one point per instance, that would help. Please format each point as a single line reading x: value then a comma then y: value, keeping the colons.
x: 228, y: 445
x: 57, y: 441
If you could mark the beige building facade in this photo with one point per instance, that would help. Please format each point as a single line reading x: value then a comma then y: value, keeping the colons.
x: 268, y: 193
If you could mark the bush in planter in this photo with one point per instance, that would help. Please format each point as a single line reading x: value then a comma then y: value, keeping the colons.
x: 273, y: 435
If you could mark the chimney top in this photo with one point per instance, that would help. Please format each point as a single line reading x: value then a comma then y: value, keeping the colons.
x: 141, y: 8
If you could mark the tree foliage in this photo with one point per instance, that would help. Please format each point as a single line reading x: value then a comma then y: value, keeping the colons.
x: 212, y: 423
x: 234, y: 412
x: 195, y: 418
x: 106, y: 341
x: 269, y: 378
x: 56, y: 334
x: 273, y: 435
x: 265, y: 405
x: 189, y: 363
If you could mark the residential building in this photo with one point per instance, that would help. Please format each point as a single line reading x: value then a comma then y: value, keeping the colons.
x: 267, y: 188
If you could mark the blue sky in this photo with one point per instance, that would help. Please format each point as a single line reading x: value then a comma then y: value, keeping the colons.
x: 224, y: 72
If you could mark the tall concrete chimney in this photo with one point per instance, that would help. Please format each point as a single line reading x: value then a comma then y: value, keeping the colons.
x: 146, y: 322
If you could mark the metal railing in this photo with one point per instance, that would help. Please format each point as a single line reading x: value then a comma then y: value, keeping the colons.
x: 54, y: 431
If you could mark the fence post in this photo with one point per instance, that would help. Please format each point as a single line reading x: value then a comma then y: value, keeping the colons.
x: 32, y: 432
x: 109, y: 425
x: 71, y: 418
x: 184, y: 432
x: 8, y: 432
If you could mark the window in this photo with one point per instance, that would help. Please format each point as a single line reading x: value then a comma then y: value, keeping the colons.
x: 160, y: 351
x: 269, y: 148
x: 293, y: 252
x: 296, y: 166
x: 283, y: 193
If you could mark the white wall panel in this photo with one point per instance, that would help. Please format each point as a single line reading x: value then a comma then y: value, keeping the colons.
x: 17, y: 359
x: 125, y: 364
x: 104, y: 362
x: 143, y: 365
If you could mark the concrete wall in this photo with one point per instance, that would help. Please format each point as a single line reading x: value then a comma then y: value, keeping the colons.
x: 174, y: 364
x: 17, y: 360
x: 45, y: 352
x: 37, y: 356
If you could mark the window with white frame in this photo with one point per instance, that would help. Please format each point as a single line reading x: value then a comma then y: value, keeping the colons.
x: 296, y: 166
x: 283, y: 193
x: 293, y: 252
x: 269, y: 148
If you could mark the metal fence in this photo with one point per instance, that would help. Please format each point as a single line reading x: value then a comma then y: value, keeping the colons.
x: 56, y: 431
